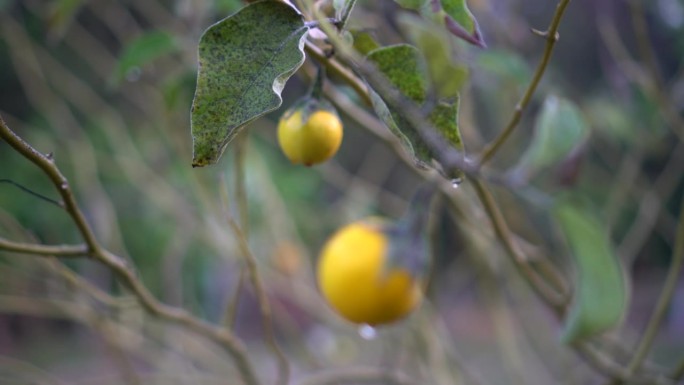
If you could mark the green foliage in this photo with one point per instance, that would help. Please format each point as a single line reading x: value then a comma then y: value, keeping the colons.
x: 406, y: 70
x: 243, y: 69
x: 145, y: 49
x: 447, y: 77
x: 601, y: 289
x: 125, y: 153
x: 364, y: 42
x: 559, y: 129
x: 454, y: 15
x: 507, y: 65
x: 62, y: 12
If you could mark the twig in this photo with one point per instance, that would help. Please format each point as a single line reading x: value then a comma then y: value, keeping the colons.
x: 657, y: 84
x: 609, y: 368
x: 663, y: 303
x: 553, y: 298
x: 348, y: 7
x: 264, y: 306
x: 35, y: 194
x: 252, y: 272
x: 58, y: 309
x: 119, y: 266
x: 335, y: 68
x: 231, y: 312
x: 551, y: 35
x: 67, y: 251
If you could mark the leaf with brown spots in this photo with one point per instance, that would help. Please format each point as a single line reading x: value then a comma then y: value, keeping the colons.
x: 244, y: 62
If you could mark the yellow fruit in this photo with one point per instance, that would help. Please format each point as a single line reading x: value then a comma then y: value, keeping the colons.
x: 355, y: 279
x: 312, y: 141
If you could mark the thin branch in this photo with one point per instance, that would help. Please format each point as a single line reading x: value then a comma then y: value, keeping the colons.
x: 605, y: 365
x: 346, y: 12
x: 88, y: 316
x: 264, y: 306
x: 67, y: 251
x: 538, y: 283
x: 231, y: 312
x: 663, y: 303
x: 335, y: 68
x: 657, y: 84
x: 35, y: 194
x: 551, y: 35
x: 120, y: 267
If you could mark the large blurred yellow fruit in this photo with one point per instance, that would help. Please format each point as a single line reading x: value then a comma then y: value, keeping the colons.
x: 312, y: 141
x: 356, y: 281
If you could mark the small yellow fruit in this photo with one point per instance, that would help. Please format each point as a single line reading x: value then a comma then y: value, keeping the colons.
x: 356, y: 281
x: 312, y: 141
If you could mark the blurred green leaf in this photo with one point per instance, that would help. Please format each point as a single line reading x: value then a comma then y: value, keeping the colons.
x: 363, y: 41
x: 460, y: 21
x: 406, y: 71
x: 609, y: 118
x: 508, y: 65
x: 601, y: 289
x: 447, y: 77
x: 143, y: 50
x: 61, y: 13
x: 178, y: 90
x: 245, y: 61
x: 445, y: 119
x: 452, y: 14
x: 560, y: 128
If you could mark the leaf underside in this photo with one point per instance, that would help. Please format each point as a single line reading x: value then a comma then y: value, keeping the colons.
x: 454, y: 15
x: 244, y: 62
x: 601, y: 288
x: 559, y: 129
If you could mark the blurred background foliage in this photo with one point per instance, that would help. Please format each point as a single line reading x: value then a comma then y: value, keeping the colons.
x: 106, y: 87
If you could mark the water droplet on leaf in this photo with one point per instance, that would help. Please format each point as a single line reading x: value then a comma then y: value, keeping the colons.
x: 367, y: 332
x: 134, y: 74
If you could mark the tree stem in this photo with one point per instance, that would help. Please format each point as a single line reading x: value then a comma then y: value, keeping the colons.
x: 551, y: 36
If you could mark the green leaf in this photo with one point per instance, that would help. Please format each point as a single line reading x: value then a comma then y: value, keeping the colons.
x: 364, y: 42
x: 447, y: 77
x: 143, y: 50
x: 245, y: 61
x: 559, y: 129
x: 506, y: 65
x: 601, y: 288
x: 405, y: 69
x: 60, y: 14
x: 445, y: 119
x: 459, y: 20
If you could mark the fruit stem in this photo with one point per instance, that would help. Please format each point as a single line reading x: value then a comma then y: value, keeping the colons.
x: 317, y: 87
x: 408, y: 236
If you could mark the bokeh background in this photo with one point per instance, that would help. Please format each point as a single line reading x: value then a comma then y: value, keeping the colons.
x: 106, y: 87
